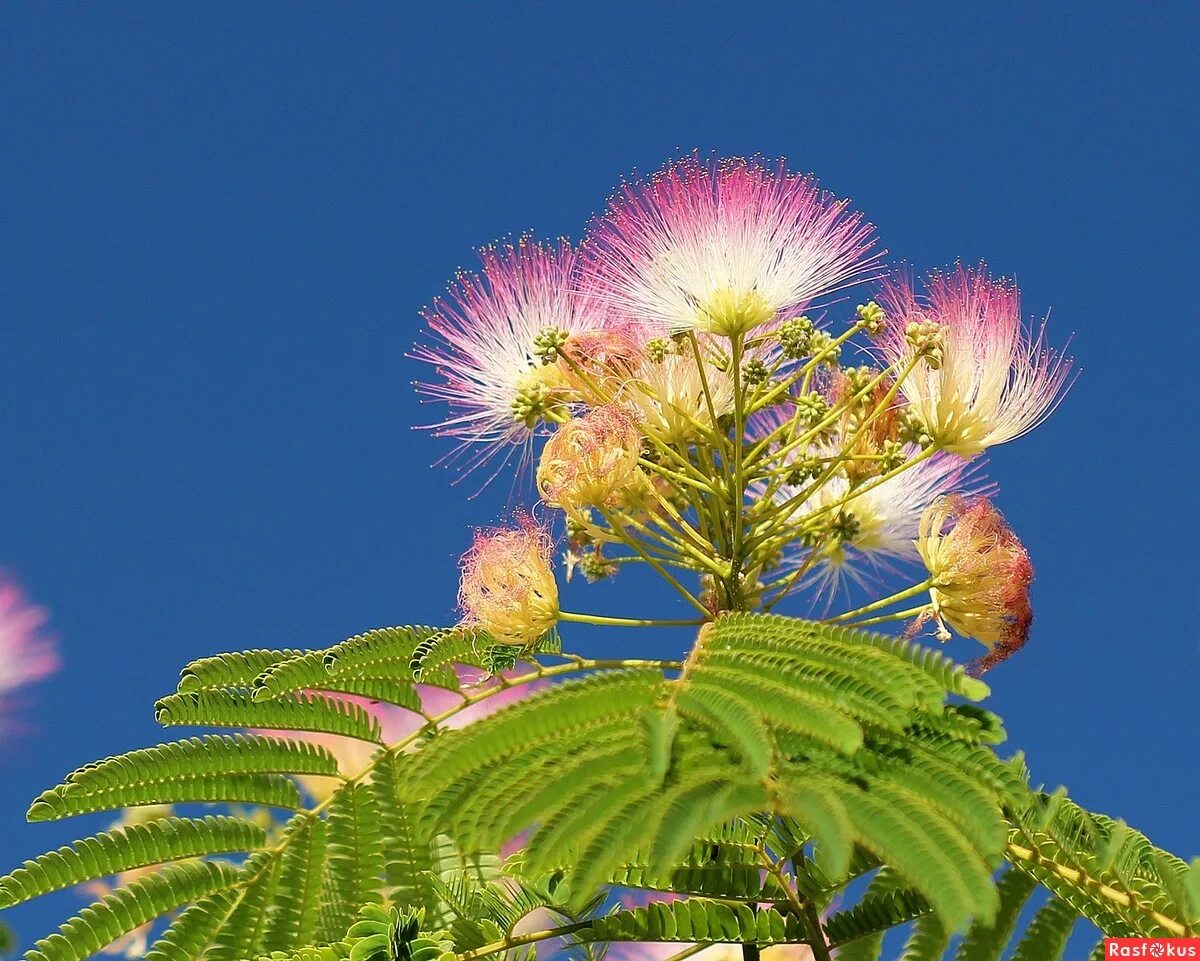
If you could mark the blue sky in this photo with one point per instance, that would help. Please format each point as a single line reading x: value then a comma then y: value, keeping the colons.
x: 218, y: 224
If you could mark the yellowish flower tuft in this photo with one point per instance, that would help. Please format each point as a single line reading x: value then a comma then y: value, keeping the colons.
x: 590, y: 459
x: 981, y: 574
x: 671, y: 397
x: 508, y: 585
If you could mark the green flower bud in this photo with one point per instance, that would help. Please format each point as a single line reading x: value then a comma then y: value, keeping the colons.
x: 755, y: 372
x: 871, y: 318
x: 892, y: 456
x: 658, y: 348
x: 549, y: 343
x: 795, y: 336
x: 812, y: 408
x: 821, y: 345
x: 845, y: 527
x: 926, y: 337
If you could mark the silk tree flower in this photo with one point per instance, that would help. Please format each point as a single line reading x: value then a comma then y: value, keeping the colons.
x: 992, y: 380
x: 484, y: 330
x: 508, y: 587
x: 722, y: 246
x: 981, y: 575
x: 590, y: 459
x: 875, y: 532
x: 599, y: 365
x: 670, y: 396
x: 27, y: 655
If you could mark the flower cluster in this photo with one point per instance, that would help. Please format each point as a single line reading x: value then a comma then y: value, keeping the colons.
x: 707, y: 415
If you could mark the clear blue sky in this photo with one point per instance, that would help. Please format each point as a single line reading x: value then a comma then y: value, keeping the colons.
x: 218, y: 224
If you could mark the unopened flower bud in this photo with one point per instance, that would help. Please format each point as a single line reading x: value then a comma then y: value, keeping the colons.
x: 891, y: 456
x: 913, y: 431
x: 541, y: 394
x: 548, y: 343
x: 795, y: 337
x: 755, y: 371
x: 657, y: 348
x: 822, y: 346
x: 871, y: 318
x: 811, y: 408
x: 858, y: 378
x: 844, y: 527
x: 927, y: 339
x: 805, y: 468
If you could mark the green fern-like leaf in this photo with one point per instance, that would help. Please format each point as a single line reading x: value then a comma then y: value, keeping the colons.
x: 410, y: 863
x: 313, y: 713
x: 291, y: 919
x: 986, y: 942
x: 386, y: 653
x: 695, y: 920
x: 878, y: 911
x: 201, y: 768
x: 235, y: 669
x: 1046, y: 937
x: 129, y: 908
x: 134, y: 846
x: 241, y: 935
x: 306, y: 672
x: 191, y: 932
x: 354, y: 862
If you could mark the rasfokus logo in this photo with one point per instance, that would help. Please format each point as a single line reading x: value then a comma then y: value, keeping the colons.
x: 1152, y: 948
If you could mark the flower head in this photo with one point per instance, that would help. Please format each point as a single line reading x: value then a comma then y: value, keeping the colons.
x: 722, y: 246
x: 497, y: 387
x: 590, y: 459
x: 677, y: 395
x: 508, y: 585
x: 988, y: 379
x: 865, y: 535
x: 980, y: 572
x: 598, y: 364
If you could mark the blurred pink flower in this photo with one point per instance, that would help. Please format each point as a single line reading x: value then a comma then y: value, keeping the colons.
x: 396, y: 724
x: 27, y: 654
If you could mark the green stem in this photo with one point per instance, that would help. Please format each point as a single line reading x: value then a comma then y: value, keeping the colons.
x: 516, y: 941
x: 820, y: 947
x: 604, y: 621
x: 662, y: 571
x: 884, y: 602
x: 894, y: 616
